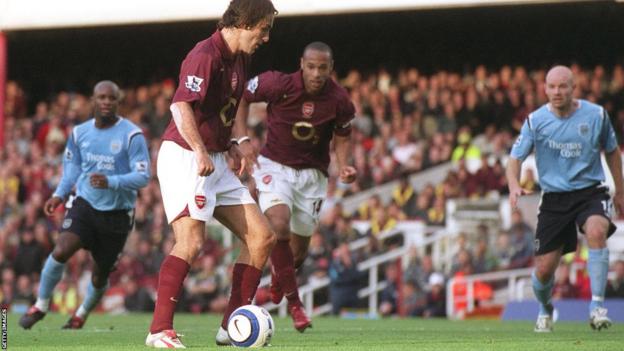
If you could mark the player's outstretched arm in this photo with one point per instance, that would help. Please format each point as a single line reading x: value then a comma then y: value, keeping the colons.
x: 240, y: 123
x: 614, y: 161
x: 71, y: 171
x: 184, y: 118
x: 248, y: 152
x: 342, y: 147
x: 513, y: 179
x: 520, y: 150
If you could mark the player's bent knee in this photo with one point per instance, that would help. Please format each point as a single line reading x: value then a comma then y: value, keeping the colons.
x: 544, y: 272
x: 268, y: 239
x: 60, y: 254
x: 299, y: 259
x: 261, y: 240
x: 281, y: 227
x: 282, y: 234
x: 194, y: 248
x: 299, y: 253
x: 596, y: 232
x: 99, y: 280
x: 189, y: 248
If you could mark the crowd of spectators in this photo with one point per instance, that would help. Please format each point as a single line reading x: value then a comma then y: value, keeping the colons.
x: 405, y: 122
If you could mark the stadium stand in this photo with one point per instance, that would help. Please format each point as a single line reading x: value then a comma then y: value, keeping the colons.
x: 406, y: 123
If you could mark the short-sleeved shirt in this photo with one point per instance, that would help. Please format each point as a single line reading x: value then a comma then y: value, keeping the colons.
x: 119, y: 152
x: 300, y: 125
x: 212, y: 80
x: 567, y: 150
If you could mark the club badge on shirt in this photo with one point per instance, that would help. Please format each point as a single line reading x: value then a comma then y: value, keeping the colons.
x: 307, y: 109
x: 115, y: 146
x: 583, y: 129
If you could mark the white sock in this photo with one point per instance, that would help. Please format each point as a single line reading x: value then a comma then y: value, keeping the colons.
x: 82, y: 312
x: 42, y: 304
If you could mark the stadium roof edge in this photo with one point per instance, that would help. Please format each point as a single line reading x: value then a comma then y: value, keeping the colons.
x: 18, y: 15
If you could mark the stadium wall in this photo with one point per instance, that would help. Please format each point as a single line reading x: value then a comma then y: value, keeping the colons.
x: 36, y: 14
x: 451, y: 39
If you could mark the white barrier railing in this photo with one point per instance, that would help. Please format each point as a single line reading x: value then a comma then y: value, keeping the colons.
x: 512, y: 277
x: 306, y: 292
x: 440, y: 244
x: 418, y: 239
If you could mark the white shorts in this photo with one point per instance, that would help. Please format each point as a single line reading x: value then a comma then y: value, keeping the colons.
x: 302, y: 191
x: 181, y: 187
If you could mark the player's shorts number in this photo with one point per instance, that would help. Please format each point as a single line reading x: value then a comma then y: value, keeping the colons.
x: 317, y: 207
x: 607, y: 205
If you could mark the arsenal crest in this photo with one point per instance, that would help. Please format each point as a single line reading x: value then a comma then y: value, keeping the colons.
x: 307, y: 109
x: 267, y: 179
x: 234, y: 81
x: 200, y: 201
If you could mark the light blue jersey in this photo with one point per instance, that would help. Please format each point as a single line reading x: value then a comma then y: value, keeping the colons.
x: 119, y: 152
x: 567, y: 150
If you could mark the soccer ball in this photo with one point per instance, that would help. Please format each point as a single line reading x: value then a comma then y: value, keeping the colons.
x: 250, y: 326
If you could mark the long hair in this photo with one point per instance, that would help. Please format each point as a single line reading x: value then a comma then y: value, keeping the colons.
x: 246, y: 13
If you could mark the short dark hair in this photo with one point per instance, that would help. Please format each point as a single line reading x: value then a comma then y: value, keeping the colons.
x: 110, y: 83
x: 319, y: 46
x: 246, y: 13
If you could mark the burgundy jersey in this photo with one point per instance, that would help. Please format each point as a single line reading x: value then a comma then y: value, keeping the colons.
x: 300, y: 126
x: 212, y: 80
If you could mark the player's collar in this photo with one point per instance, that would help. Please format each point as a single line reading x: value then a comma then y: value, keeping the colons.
x: 119, y: 120
x: 220, y: 43
x: 575, y: 102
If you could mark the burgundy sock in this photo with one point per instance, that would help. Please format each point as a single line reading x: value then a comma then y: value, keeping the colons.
x: 245, y: 281
x: 284, y: 265
x: 172, y: 273
x: 237, y: 277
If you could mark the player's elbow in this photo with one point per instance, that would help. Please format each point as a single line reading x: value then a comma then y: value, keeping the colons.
x: 143, y: 180
x: 176, y: 113
x: 615, y: 152
x: 513, y: 163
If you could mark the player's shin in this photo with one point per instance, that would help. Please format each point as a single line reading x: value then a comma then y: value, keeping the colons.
x: 170, y: 279
x: 50, y: 276
x: 245, y: 281
x: 94, y: 295
x: 598, y: 269
x: 283, y: 263
x: 543, y: 293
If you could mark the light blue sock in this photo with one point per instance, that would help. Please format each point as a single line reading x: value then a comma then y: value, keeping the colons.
x: 51, y: 273
x: 598, y: 269
x: 94, y: 295
x: 543, y: 293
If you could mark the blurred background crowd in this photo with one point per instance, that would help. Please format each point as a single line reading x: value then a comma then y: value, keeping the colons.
x: 405, y: 122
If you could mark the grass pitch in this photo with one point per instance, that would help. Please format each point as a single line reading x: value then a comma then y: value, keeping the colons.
x: 128, y: 332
